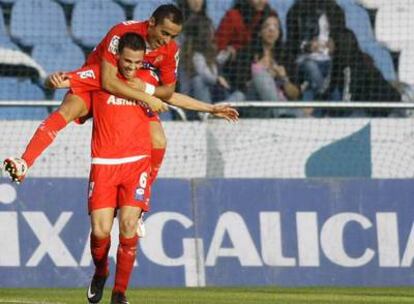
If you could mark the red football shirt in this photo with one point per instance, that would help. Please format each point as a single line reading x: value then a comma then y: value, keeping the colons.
x: 164, y: 59
x: 87, y: 79
x: 120, y: 126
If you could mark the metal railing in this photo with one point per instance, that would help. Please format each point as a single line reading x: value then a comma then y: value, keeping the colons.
x: 54, y: 103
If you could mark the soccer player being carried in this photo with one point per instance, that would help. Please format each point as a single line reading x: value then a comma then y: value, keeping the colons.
x: 161, y: 55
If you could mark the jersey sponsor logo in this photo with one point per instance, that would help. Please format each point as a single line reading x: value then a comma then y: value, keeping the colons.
x: 117, y: 101
x: 86, y: 74
x: 113, y: 45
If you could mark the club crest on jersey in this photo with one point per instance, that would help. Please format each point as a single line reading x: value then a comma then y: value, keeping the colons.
x: 139, y: 194
x: 113, y: 45
x: 86, y: 74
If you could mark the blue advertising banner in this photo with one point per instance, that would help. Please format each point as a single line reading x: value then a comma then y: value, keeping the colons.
x: 200, y: 232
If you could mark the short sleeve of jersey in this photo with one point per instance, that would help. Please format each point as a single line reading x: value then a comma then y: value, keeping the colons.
x: 168, y: 68
x: 108, y: 48
x: 85, y: 79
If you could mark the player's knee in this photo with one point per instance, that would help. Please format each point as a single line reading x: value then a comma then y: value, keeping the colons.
x: 128, y: 226
x: 101, y: 231
x: 158, y: 138
x: 159, y: 141
x: 72, y: 107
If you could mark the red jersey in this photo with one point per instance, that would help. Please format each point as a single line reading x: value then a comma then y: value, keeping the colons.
x: 120, y: 126
x: 163, y: 59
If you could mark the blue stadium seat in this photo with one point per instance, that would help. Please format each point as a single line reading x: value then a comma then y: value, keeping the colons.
x: 5, y: 40
x: 58, y: 56
x: 92, y: 19
x: 144, y: 9
x: 13, y: 88
x: 382, y: 59
x: 8, y: 1
x: 17, y: 89
x: 129, y: 2
x: 358, y: 21
x: 68, y: 1
x: 217, y: 9
x: 59, y: 94
x: 38, y: 21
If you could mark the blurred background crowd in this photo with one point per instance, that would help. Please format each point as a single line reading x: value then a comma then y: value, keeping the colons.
x: 231, y: 50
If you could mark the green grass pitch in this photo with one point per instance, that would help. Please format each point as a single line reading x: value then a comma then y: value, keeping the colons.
x: 254, y: 295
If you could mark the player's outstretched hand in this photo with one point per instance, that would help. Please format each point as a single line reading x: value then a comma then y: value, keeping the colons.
x: 58, y: 80
x: 157, y: 105
x: 225, y: 111
x: 16, y: 168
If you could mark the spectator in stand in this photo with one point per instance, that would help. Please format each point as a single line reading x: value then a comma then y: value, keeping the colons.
x: 238, y: 25
x: 259, y: 71
x: 190, y: 8
x: 325, y: 58
x: 200, y: 61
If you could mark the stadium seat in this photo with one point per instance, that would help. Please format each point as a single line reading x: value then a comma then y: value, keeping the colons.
x: 38, y: 21
x: 382, y: 59
x: 393, y: 26
x: 59, y: 94
x: 7, y: 1
x: 5, y: 41
x: 18, y: 89
x: 144, y: 9
x: 58, y: 56
x: 373, y: 4
x: 129, y: 2
x: 70, y: 2
x: 217, y: 9
x: 358, y: 21
x: 92, y: 19
x: 406, y: 63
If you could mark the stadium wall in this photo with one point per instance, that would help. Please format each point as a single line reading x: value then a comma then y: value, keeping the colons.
x: 282, y: 148
x: 214, y: 232
x: 277, y: 202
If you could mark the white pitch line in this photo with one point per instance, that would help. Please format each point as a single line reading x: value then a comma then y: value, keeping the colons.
x: 27, y: 302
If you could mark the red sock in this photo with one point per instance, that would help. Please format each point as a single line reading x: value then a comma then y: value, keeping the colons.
x: 157, y: 156
x: 43, y: 137
x: 125, y: 259
x: 99, y: 251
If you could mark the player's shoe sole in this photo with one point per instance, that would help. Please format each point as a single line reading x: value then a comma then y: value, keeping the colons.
x: 16, y: 168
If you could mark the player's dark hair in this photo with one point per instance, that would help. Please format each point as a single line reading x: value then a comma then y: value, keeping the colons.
x: 132, y: 41
x: 168, y: 11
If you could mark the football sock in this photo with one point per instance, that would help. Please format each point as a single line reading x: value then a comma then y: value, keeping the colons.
x: 43, y: 137
x: 157, y: 156
x: 99, y: 251
x: 127, y: 251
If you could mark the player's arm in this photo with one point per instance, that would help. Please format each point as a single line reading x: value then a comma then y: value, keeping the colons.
x: 115, y: 86
x: 189, y: 103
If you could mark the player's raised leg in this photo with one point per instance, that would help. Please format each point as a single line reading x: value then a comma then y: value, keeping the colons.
x: 72, y: 107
